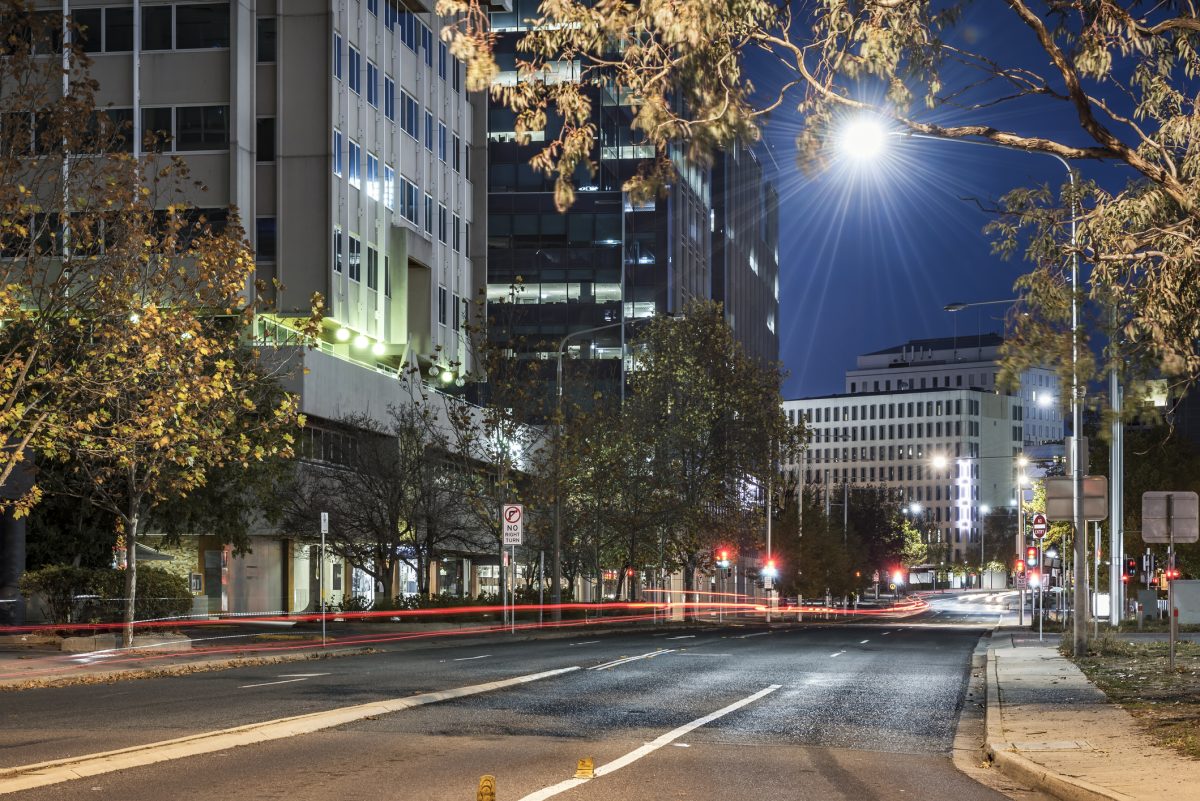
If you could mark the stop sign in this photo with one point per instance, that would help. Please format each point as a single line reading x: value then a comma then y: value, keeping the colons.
x: 1039, y: 526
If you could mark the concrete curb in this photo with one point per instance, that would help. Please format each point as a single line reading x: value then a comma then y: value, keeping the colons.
x: 1023, y: 769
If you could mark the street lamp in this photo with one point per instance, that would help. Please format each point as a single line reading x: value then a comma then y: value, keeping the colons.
x: 865, y: 138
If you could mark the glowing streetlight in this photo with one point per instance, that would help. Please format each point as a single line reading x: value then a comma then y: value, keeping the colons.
x: 863, y: 138
x: 342, y: 335
x: 940, y: 462
x: 379, y: 349
x: 361, y: 341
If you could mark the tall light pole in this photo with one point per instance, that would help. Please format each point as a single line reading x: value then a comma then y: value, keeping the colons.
x: 866, y: 138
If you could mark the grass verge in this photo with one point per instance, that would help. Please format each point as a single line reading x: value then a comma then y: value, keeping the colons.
x: 1137, y: 676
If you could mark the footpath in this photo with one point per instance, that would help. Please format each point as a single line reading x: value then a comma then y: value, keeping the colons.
x: 1051, y: 728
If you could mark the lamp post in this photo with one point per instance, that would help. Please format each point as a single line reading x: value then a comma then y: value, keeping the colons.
x: 866, y: 138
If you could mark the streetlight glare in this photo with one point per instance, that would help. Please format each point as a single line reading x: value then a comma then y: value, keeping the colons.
x: 863, y: 138
x: 940, y: 462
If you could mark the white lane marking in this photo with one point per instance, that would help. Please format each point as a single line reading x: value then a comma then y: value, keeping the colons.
x: 267, y: 683
x: 588, y: 642
x: 27, y: 777
x: 863, y: 642
x: 755, y: 634
x: 469, y: 658
x: 886, y: 633
x: 839, y: 653
x: 301, y: 675
x: 614, y: 663
x: 697, y: 653
x: 650, y: 747
x: 683, y: 637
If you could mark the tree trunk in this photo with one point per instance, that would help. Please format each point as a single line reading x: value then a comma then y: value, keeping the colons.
x: 131, y: 533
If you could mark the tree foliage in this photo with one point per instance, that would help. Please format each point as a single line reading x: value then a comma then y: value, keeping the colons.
x: 1119, y: 74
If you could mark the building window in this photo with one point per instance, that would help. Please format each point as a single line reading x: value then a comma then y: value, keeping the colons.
x: 337, y: 250
x: 355, y: 164
x: 428, y: 213
x: 355, y: 259
x: 158, y: 128
x: 457, y: 236
x: 427, y: 45
x: 411, y: 112
x: 266, y: 40
x: 389, y: 98
x: 264, y: 239
x: 118, y: 30
x: 387, y: 277
x: 455, y: 306
x: 202, y: 128
x: 201, y: 27
x: 441, y: 223
x: 442, y: 305
x: 408, y: 29
x: 372, y: 268
x: 264, y: 139
x: 442, y: 142
x: 373, y: 7
x: 410, y: 202
x: 429, y: 131
x: 372, y: 84
x: 354, y: 65
x: 455, y: 153
x: 456, y: 74
x: 337, y: 56
x: 337, y: 152
x: 156, y: 28
x: 389, y: 187
x: 372, y: 176
x: 442, y: 60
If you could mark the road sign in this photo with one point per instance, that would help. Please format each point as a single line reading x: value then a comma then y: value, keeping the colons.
x: 513, y: 523
x: 875, y: 577
x: 324, y: 522
x: 1040, y: 526
x: 1019, y: 580
x: 1184, y: 509
x: 1059, y: 498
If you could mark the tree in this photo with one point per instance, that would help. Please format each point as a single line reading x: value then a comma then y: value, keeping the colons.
x: 914, y: 551
x: 1092, y: 81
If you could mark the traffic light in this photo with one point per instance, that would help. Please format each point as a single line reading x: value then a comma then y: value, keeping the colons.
x: 1034, y: 578
x: 1031, y: 556
x: 771, y: 570
x: 723, y: 557
x: 1020, y: 565
x: 1131, y: 568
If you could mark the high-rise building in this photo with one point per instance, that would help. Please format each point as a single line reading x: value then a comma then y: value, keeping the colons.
x: 608, y: 259
x: 341, y: 130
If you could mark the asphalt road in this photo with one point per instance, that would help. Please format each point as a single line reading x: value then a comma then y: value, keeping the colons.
x: 858, y: 711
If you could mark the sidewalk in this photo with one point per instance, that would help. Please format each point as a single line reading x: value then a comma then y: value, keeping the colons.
x: 1048, y: 726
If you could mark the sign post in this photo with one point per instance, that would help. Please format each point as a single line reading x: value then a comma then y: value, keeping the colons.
x: 512, y: 524
x: 321, y: 571
x: 1170, y: 517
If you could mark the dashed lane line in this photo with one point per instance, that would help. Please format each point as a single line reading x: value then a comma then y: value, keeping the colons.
x: 469, y: 658
x: 626, y: 659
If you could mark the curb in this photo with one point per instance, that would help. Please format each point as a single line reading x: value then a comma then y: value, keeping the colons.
x: 1023, y: 769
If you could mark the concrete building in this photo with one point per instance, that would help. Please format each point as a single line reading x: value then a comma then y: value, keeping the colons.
x: 341, y: 130
x: 948, y: 451
x: 956, y: 362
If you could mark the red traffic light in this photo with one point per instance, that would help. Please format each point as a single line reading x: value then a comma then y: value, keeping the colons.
x: 1031, y: 556
x: 723, y: 555
x: 1020, y: 565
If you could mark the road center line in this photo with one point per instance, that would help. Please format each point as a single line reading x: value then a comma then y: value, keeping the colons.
x: 614, y: 663
x: 683, y: 637
x: 650, y: 747
x: 469, y: 658
x: 839, y: 653
x: 301, y: 675
x: 267, y: 683
x: 755, y: 634
x: 41, y: 774
x: 863, y: 642
x: 588, y: 642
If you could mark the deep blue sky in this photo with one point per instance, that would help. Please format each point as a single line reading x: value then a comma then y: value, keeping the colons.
x: 870, y: 253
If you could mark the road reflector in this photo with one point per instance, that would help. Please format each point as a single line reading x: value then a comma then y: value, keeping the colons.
x: 586, y: 769
x: 487, y: 789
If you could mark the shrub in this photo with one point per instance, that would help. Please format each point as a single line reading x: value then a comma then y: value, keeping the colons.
x: 80, y: 594
x: 60, y: 586
x: 159, y: 594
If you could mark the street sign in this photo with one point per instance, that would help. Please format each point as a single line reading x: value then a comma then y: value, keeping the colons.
x: 324, y: 522
x: 513, y: 523
x: 1019, y: 580
x: 1059, y: 498
x: 1184, y: 513
x: 1040, y: 526
x: 875, y: 577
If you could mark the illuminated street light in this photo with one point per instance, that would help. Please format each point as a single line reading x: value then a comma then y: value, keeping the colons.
x: 361, y: 341
x: 940, y: 462
x: 863, y: 138
x: 342, y: 335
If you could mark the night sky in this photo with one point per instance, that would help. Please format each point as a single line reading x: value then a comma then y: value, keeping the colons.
x: 870, y: 252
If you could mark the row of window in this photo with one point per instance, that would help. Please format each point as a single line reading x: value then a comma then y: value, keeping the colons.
x: 355, y: 61
x: 164, y: 129
x: 921, y: 383
x: 882, y: 411
x: 901, y: 431
x: 354, y: 262
x: 889, y: 453
x: 459, y: 309
x: 184, y: 26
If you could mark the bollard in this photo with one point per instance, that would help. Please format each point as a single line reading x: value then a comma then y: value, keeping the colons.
x: 586, y: 769
x: 487, y: 789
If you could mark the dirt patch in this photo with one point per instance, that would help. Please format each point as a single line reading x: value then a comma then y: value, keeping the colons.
x: 1137, y: 676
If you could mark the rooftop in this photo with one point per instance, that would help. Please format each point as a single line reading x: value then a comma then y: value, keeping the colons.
x: 989, y: 340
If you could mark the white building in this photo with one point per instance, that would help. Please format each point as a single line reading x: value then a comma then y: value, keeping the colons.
x: 970, y: 362
x: 948, y: 450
